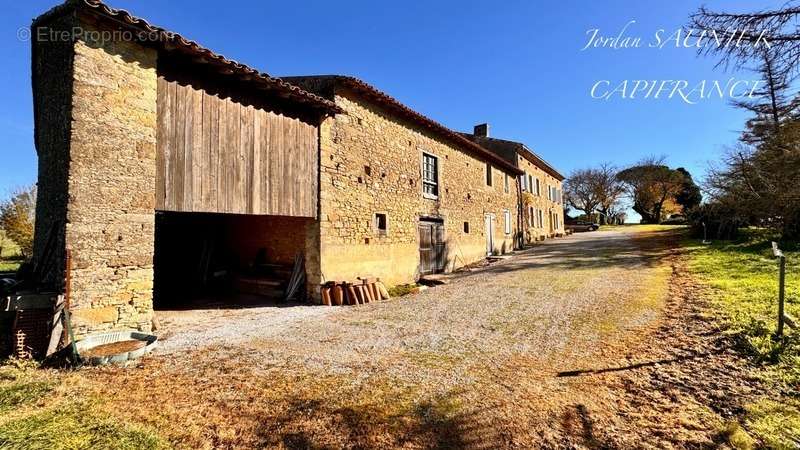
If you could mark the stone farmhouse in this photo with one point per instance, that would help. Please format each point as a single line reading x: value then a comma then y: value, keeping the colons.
x: 401, y: 195
x: 170, y: 175
x: 541, y: 199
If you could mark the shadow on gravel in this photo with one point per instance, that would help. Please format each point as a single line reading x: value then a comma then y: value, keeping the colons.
x: 313, y: 424
x: 679, y: 359
x: 618, y: 250
x: 578, y: 424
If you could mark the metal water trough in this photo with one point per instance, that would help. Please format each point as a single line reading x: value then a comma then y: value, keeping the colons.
x: 116, y: 336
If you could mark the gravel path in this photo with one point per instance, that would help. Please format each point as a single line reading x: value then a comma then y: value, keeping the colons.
x: 591, y: 341
x: 557, y: 301
x: 182, y: 331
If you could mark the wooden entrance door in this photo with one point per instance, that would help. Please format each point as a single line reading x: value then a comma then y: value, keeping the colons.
x: 489, y: 219
x: 432, y: 247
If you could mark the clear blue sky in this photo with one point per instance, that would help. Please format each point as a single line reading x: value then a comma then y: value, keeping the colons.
x: 514, y: 64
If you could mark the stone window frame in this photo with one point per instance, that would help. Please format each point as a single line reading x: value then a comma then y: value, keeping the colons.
x: 437, y: 182
x: 380, y: 232
x: 489, y: 175
x: 506, y: 183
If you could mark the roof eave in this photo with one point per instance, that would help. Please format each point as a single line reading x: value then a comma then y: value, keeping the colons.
x: 385, y: 99
x: 544, y: 164
x: 169, y: 41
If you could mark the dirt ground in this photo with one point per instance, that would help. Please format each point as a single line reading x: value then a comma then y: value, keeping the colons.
x: 599, y: 340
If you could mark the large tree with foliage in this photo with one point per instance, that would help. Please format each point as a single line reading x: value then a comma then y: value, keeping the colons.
x: 689, y: 196
x: 650, y: 185
x: 17, y: 215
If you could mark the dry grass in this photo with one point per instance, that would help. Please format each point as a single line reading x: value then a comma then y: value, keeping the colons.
x: 47, y: 409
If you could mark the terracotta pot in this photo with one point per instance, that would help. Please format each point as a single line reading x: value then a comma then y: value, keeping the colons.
x: 367, y: 293
x: 360, y: 294
x: 338, y: 295
x: 326, y: 296
x: 383, y: 291
x: 351, y: 295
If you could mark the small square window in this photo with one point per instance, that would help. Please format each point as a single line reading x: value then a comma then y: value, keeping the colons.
x: 381, y: 223
x: 466, y: 227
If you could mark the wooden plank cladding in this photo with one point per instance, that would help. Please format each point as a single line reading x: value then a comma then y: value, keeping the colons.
x: 217, y: 154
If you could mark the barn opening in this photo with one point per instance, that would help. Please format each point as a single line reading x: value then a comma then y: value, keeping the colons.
x: 224, y: 260
x: 236, y: 190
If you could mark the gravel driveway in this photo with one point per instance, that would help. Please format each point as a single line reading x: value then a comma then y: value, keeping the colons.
x: 559, y: 346
x: 546, y: 300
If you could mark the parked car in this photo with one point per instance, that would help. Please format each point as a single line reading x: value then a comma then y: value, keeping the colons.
x: 583, y: 226
x: 675, y: 219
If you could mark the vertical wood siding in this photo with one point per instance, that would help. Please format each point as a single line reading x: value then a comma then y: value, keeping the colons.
x: 219, y: 155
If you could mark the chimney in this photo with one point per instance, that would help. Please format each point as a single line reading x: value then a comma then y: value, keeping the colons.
x: 481, y: 130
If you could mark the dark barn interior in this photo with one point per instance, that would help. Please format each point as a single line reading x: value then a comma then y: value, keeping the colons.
x: 223, y: 260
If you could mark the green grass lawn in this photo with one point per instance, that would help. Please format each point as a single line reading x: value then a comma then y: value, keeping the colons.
x: 743, y: 276
x: 39, y: 411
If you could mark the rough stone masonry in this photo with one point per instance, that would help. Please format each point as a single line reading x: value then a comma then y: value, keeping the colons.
x: 106, y: 168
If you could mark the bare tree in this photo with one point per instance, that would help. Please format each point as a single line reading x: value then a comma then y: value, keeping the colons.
x: 773, y: 105
x: 580, y: 191
x: 609, y: 191
x: 774, y: 30
x: 756, y: 181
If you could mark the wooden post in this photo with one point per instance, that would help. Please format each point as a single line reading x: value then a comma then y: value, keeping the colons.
x: 781, y: 285
x: 781, y: 294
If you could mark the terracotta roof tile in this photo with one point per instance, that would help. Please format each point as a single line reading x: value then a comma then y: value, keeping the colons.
x: 400, y: 109
x: 172, y: 41
x: 503, y: 145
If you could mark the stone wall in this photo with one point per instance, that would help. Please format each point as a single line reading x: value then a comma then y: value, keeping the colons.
x: 533, y: 229
x: 52, y: 86
x: 371, y: 163
x: 282, y: 237
x: 110, y: 228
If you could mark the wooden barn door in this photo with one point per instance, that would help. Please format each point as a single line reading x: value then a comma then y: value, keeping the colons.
x: 432, y: 247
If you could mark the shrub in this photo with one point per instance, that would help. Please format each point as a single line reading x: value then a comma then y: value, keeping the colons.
x: 721, y: 222
x: 17, y: 215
